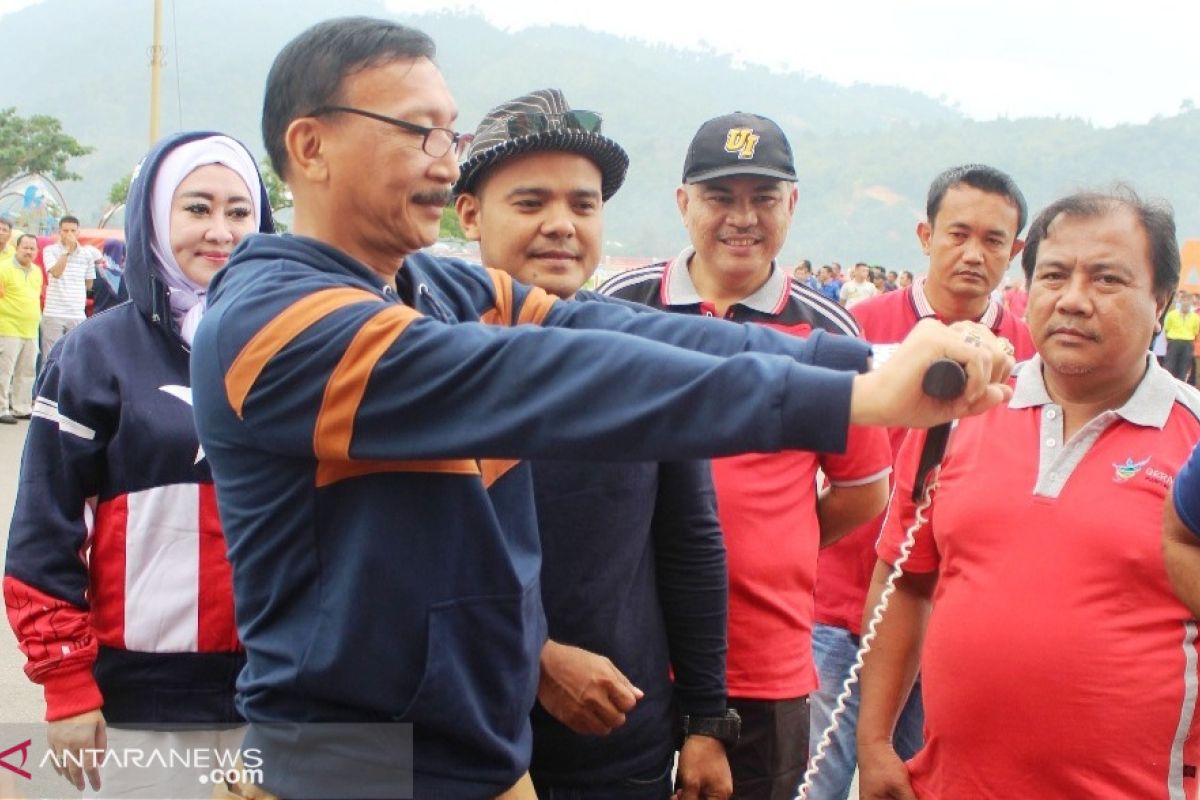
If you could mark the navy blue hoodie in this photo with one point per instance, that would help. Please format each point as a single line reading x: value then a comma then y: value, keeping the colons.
x: 115, y: 512
x: 384, y: 541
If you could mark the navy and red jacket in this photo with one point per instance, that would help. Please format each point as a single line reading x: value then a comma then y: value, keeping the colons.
x: 383, y: 538
x: 116, y: 582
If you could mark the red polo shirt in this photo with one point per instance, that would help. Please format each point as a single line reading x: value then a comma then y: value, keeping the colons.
x: 767, y: 503
x: 1057, y: 661
x: 844, y: 570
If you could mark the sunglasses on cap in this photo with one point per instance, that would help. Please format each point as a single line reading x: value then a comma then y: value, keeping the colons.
x: 531, y: 122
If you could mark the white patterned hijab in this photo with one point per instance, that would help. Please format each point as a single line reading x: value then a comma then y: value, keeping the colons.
x: 187, y: 297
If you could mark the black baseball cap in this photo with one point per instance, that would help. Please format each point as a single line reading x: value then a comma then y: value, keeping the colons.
x: 739, y: 144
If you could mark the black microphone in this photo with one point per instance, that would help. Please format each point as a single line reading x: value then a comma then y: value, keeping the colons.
x: 945, y: 380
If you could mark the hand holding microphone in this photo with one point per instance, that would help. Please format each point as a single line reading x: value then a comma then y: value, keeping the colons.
x: 895, y: 394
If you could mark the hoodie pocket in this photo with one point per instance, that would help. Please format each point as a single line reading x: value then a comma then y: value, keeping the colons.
x: 481, y: 664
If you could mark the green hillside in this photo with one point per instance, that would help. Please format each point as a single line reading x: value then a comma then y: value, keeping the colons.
x: 865, y: 153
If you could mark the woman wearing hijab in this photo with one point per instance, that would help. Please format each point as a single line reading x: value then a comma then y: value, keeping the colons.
x: 116, y: 581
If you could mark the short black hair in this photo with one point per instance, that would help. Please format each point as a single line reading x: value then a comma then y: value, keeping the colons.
x: 981, y: 177
x: 1156, y: 217
x: 906, y: 272
x: 309, y: 70
x: 67, y: 218
x: 6, y: 221
x: 25, y: 236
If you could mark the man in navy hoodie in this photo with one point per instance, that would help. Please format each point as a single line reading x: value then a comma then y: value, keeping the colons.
x: 652, y: 605
x: 361, y: 404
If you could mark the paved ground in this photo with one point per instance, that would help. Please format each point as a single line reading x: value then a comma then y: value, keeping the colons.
x: 20, y: 700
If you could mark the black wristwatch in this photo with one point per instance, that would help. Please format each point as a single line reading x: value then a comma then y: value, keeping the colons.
x: 725, y: 729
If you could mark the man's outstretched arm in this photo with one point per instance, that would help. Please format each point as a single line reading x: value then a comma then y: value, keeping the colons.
x: 1181, y: 534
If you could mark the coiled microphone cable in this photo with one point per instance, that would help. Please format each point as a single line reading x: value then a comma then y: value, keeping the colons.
x: 945, y: 380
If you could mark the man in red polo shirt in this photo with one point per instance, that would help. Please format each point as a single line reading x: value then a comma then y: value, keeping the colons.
x: 1057, y: 663
x: 737, y: 200
x: 975, y: 215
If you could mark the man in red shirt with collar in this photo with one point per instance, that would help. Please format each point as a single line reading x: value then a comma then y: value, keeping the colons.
x: 974, y: 218
x: 737, y: 200
x: 1057, y: 662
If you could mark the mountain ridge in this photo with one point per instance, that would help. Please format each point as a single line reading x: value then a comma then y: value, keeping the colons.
x: 865, y: 154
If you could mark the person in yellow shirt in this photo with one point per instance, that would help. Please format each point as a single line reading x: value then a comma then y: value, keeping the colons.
x: 20, y: 313
x: 1181, y: 326
x: 6, y: 243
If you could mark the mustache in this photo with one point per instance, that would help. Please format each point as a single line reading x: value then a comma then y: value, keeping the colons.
x: 1053, y: 329
x: 432, y: 197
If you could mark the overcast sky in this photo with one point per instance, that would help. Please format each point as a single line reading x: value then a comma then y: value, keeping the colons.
x: 1108, y: 62
x: 1105, y: 61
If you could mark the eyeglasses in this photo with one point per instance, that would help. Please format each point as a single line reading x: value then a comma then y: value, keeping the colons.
x: 436, y: 142
x: 537, y: 122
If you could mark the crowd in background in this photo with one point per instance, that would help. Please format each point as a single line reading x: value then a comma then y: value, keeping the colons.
x: 48, y: 286
x: 864, y: 281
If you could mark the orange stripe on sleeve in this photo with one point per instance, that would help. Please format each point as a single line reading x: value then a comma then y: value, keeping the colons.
x: 536, y: 306
x: 348, y: 383
x: 493, y: 469
x: 280, y: 332
x: 501, y: 313
x: 333, y: 471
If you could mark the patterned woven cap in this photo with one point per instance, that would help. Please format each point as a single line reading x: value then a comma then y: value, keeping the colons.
x: 493, y: 142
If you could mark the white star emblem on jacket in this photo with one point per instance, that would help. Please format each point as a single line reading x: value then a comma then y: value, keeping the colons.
x: 184, y: 393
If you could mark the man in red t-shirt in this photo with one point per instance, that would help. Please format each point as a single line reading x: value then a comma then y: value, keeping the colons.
x: 737, y: 200
x: 1057, y: 662
x: 975, y: 215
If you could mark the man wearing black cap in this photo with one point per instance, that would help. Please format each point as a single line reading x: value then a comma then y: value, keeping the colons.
x: 532, y: 193
x: 737, y: 199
